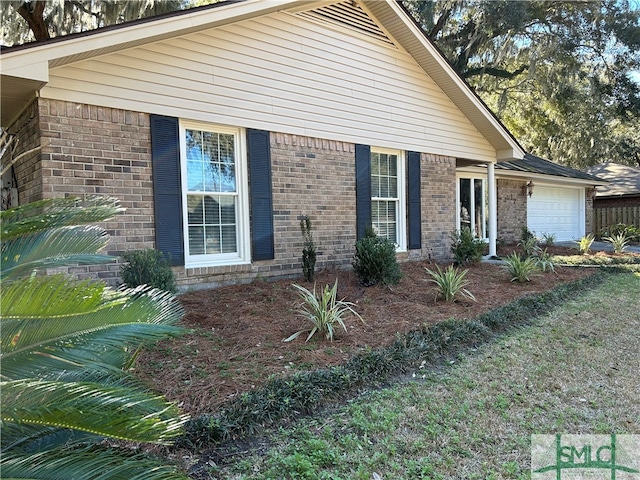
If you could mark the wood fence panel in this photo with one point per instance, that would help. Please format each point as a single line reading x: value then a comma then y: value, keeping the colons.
x: 605, y: 217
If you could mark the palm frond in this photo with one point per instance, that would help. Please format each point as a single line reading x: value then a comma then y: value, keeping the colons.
x: 52, y: 248
x: 97, y: 350
x: 89, y: 463
x: 37, y: 438
x: 136, y: 306
x: 124, y: 413
x: 51, y: 296
x: 54, y: 213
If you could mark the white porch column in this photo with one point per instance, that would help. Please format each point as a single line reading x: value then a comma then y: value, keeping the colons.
x: 493, y: 209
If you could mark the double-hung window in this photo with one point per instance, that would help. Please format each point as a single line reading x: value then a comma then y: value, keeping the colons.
x: 214, y: 195
x: 387, y: 194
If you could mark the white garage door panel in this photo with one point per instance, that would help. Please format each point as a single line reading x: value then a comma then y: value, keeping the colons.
x: 556, y: 210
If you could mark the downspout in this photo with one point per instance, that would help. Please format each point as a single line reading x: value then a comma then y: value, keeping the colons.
x: 493, y: 210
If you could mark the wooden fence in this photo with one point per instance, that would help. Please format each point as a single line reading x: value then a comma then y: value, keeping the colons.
x: 604, y: 217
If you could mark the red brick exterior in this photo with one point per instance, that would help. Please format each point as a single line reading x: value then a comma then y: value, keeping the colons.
x: 438, y: 206
x: 512, y: 210
x: 28, y: 169
x: 89, y: 150
x: 626, y: 201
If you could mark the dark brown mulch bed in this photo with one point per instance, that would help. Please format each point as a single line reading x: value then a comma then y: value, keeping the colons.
x: 236, y: 343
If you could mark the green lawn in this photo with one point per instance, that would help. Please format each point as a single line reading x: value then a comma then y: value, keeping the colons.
x: 573, y: 371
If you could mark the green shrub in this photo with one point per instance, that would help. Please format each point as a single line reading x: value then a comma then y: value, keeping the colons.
x: 450, y: 283
x: 618, y: 241
x: 308, y: 250
x: 584, y: 244
x: 520, y: 269
x: 375, y: 260
x: 466, y: 248
x: 324, y: 312
x: 147, y: 267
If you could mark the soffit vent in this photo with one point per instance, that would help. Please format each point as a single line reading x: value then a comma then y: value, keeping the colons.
x: 348, y: 15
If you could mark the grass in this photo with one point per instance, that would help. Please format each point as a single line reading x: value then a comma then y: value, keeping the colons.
x: 571, y: 371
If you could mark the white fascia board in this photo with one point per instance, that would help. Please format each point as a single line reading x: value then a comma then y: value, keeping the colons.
x: 38, y: 71
x: 510, y: 154
x: 513, y: 150
x: 115, y: 39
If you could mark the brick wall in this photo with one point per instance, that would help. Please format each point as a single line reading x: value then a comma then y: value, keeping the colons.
x: 512, y: 210
x: 90, y: 150
x: 627, y: 201
x: 438, y: 206
x: 28, y: 168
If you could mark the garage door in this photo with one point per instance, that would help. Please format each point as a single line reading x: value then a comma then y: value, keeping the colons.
x: 556, y: 210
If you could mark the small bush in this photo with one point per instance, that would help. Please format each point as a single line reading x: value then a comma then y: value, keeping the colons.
x: 324, y: 312
x: 147, y: 267
x: 466, y: 248
x: 375, y: 260
x: 584, y: 244
x: 618, y: 241
x: 308, y: 250
x: 520, y: 269
x: 450, y: 283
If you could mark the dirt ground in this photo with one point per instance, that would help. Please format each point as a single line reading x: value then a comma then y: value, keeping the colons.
x: 237, y: 335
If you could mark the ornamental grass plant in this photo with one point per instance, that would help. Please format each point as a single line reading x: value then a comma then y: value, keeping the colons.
x: 520, y: 269
x: 450, y: 283
x: 325, y: 312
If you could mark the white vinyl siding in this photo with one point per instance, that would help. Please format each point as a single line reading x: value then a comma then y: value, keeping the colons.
x: 281, y: 73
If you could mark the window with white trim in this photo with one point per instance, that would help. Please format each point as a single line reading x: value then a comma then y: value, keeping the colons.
x: 214, y: 195
x: 472, y: 205
x: 387, y: 194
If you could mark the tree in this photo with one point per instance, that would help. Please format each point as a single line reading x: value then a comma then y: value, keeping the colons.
x: 28, y: 20
x: 557, y: 73
x: 67, y: 346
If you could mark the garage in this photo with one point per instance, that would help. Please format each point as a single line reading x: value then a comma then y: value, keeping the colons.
x: 557, y: 210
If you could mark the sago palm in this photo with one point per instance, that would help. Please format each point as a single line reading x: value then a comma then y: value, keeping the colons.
x: 66, y: 348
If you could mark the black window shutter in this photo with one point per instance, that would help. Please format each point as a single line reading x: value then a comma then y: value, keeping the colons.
x: 363, y: 189
x: 259, y: 157
x: 414, y: 217
x: 167, y: 196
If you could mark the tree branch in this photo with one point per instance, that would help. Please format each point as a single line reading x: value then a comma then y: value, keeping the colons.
x: 494, y: 72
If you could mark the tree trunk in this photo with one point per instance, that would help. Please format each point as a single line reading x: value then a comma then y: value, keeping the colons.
x: 33, y: 13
